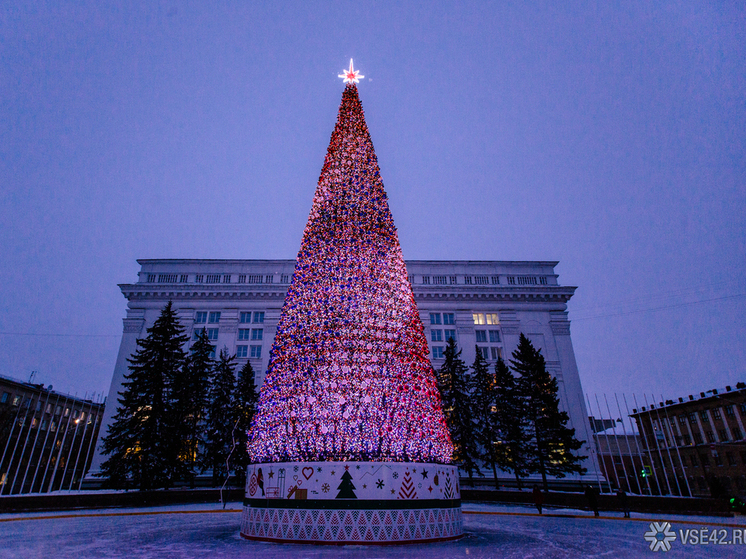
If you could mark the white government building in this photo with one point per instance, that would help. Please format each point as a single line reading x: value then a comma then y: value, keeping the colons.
x: 484, y: 304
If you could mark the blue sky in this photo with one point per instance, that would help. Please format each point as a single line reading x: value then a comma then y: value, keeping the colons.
x: 608, y: 136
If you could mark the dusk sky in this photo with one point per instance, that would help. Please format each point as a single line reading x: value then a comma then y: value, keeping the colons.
x: 610, y: 137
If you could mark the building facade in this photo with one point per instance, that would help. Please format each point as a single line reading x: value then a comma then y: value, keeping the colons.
x: 484, y: 305
x: 46, y: 438
x: 695, y: 445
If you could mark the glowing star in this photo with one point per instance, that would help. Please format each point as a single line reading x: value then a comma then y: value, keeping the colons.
x: 351, y: 75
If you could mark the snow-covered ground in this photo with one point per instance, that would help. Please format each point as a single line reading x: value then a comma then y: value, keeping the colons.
x: 194, y: 531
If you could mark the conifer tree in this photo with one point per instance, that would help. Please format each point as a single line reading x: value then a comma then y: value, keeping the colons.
x: 220, y: 417
x: 135, y: 441
x: 510, y: 425
x: 483, y: 402
x: 553, y: 444
x: 190, y: 391
x: 246, y: 400
x: 454, y: 384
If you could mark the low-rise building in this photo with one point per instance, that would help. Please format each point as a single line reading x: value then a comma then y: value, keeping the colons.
x: 47, y: 438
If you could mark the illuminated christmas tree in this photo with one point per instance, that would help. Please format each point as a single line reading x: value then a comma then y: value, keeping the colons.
x: 349, y: 376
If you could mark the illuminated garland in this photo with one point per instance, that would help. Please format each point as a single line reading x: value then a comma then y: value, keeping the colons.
x: 349, y: 376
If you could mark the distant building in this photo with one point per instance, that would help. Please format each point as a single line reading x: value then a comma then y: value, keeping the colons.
x: 620, y: 455
x: 482, y: 304
x: 696, y: 445
x: 46, y: 438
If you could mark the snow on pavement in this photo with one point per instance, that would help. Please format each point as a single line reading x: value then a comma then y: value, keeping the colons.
x: 195, y: 531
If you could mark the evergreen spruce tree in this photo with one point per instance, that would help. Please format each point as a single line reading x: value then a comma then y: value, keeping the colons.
x: 245, y: 403
x: 553, y: 444
x: 135, y: 441
x: 455, y: 389
x: 190, y: 391
x: 483, y: 401
x: 510, y: 424
x: 220, y: 418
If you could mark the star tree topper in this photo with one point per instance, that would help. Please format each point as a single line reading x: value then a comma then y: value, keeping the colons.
x: 351, y: 75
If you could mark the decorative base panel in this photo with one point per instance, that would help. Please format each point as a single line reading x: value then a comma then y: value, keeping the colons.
x: 352, y: 503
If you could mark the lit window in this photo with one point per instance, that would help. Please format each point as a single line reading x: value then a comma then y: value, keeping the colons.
x: 256, y: 351
x: 257, y: 334
x: 450, y: 335
x: 259, y: 317
x: 436, y: 335
x: 200, y: 318
x: 494, y: 336
x: 437, y: 352
x: 242, y: 351
x: 34, y: 422
x: 212, y: 334
x: 214, y: 317
x: 434, y: 318
x: 493, y: 319
x: 244, y: 334
x: 245, y: 317
x: 16, y: 400
x: 448, y: 318
x: 481, y: 335
x: 67, y: 412
x: 478, y: 318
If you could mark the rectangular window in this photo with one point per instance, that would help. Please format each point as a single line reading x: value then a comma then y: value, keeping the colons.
x: 454, y: 280
x: 226, y: 278
x: 257, y: 334
x: 692, y: 418
x: 425, y: 280
x: 439, y: 280
x: 434, y: 318
x: 526, y: 280
x: 703, y: 416
x: 242, y: 351
x: 682, y: 419
x: 697, y: 437
x: 53, y: 426
x: 478, y: 318
x: 483, y: 351
x: 151, y: 278
x: 184, y: 278
x: 450, y: 334
x: 467, y: 280
x: 710, y: 436
x: 410, y: 277
x: 497, y: 353
x: 495, y: 280
x: 49, y: 409
x: 241, y: 278
x: 212, y: 334
x: 244, y: 334
x: 212, y: 352
x: 67, y: 412
x: 245, y: 317
x: 716, y: 413
x: 437, y: 352
x: 167, y: 278
x: 256, y: 351
x: 58, y: 410
x: 38, y: 405
x: 481, y: 335
x: 43, y: 425
x: 198, y: 332
x: 255, y: 279
x: 543, y: 280
x: 34, y: 422
x: 214, y: 318
x: 213, y: 278
x: 737, y: 435
x: 436, y: 335
x: 729, y: 411
x: 493, y: 319
x: 16, y: 400
x: 269, y: 279
x: 4, y: 398
x: 511, y: 280
x: 494, y: 336
x: 200, y: 317
x: 481, y: 280
x: 723, y: 434
x: 284, y: 278
x: 199, y: 278
x: 449, y: 318
x: 258, y: 317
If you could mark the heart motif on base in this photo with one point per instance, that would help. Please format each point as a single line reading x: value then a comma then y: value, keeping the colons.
x: 307, y: 472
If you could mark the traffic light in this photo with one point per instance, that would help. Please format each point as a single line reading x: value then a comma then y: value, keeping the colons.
x: 737, y: 504
x: 646, y: 471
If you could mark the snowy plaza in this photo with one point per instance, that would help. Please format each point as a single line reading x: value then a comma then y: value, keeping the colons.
x: 193, y: 531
